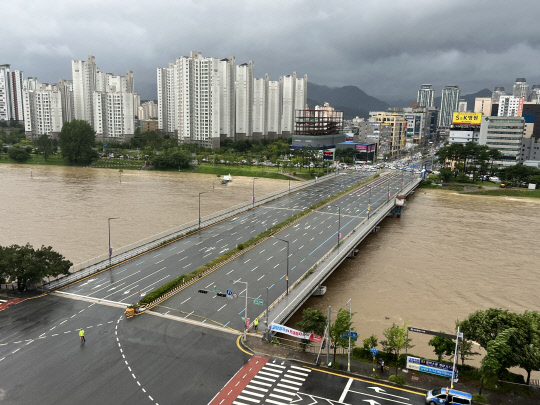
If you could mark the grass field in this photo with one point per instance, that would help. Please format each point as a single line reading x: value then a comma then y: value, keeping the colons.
x: 509, y: 192
x: 54, y: 160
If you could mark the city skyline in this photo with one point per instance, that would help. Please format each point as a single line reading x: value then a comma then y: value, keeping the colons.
x: 368, y: 45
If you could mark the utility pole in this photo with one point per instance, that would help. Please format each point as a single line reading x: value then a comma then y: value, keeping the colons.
x: 349, y: 354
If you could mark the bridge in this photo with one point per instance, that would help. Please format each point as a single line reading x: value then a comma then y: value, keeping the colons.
x: 279, y: 272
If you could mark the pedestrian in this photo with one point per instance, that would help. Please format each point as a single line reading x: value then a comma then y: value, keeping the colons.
x: 81, y: 335
x: 448, y: 400
x: 382, y: 366
x: 256, y: 324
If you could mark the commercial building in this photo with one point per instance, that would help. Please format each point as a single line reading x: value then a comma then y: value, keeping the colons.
x: 534, y: 96
x: 148, y: 125
x: 521, y: 89
x: 449, y: 105
x: 510, y: 106
x: 482, y: 105
x: 462, y: 106
x: 496, y: 95
x: 397, y: 124
x: 465, y: 128
x: 320, y: 128
x: 504, y: 134
x: 425, y: 96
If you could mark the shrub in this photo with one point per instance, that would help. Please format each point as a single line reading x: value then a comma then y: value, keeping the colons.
x: 482, y: 399
x: 240, y: 246
x: 398, y: 379
x: 336, y: 365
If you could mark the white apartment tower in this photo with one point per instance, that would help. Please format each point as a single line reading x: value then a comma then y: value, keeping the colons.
x: 449, y: 105
x: 275, y: 108
x: 425, y: 96
x: 114, y: 112
x: 300, y: 93
x: 42, y: 109
x: 68, y: 108
x: 167, y: 89
x: 521, y: 88
x: 260, y: 107
x: 288, y: 117
x: 17, y: 110
x: 244, y: 101
x: 227, y: 100
x: 5, y: 93
x: 84, y: 85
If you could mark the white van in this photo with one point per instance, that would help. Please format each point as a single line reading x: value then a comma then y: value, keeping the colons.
x: 438, y: 396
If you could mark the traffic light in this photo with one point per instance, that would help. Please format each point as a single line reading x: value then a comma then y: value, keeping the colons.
x: 323, y: 344
x: 203, y: 291
x: 221, y: 294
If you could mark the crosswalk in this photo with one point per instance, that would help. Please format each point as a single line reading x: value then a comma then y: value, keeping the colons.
x: 275, y: 384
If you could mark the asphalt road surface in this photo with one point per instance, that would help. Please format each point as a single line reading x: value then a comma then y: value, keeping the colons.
x: 262, y: 270
x: 145, y: 273
x: 264, y: 380
x: 150, y: 360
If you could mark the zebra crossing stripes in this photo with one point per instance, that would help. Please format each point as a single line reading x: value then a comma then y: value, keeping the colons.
x: 273, y: 384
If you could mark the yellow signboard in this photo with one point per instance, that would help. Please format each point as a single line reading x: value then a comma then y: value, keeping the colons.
x: 467, y: 118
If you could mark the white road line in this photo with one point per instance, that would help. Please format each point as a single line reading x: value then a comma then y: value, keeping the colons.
x: 248, y: 399
x: 186, y: 265
x: 185, y: 300
x: 256, y: 394
x: 290, y: 382
x: 345, y: 390
x: 222, y: 307
x: 288, y: 387
x: 256, y: 267
x: 260, y: 277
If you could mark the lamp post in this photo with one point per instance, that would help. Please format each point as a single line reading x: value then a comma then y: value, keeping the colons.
x: 204, y: 192
x: 388, y: 183
x: 369, y: 203
x: 287, y: 274
x: 349, y: 303
x: 339, y: 222
x: 253, y: 198
x: 245, y: 309
x: 110, y: 250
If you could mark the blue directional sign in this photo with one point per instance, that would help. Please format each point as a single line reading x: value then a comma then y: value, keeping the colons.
x: 374, y: 351
x: 229, y: 292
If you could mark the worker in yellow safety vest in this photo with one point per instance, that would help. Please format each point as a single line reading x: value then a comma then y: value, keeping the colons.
x: 81, y: 335
x: 256, y: 324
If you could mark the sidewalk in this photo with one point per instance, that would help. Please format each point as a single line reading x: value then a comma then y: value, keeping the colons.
x: 359, y: 369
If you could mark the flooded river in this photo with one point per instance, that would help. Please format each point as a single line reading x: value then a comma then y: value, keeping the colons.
x: 447, y: 256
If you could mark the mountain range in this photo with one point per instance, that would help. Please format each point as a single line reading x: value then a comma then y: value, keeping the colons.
x: 355, y: 102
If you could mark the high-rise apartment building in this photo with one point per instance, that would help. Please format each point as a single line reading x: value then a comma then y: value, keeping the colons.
x: 167, y: 92
x: 425, y: 96
x: 275, y: 108
x: 11, y: 97
x: 287, y: 118
x: 449, y: 105
x: 66, y: 92
x: 42, y: 109
x: 300, y: 93
x: 84, y: 85
x: 148, y: 110
x: 244, y: 101
x: 260, y: 107
x: 227, y: 100
x: 521, y: 88
x: 496, y: 95
x: 113, y: 117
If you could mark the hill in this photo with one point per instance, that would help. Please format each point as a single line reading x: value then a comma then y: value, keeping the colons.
x: 349, y: 99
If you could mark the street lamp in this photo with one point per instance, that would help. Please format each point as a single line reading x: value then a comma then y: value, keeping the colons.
x: 110, y: 250
x: 287, y: 274
x: 349, y: 303
x: 204, y: 192
x: 253, y: 198
x: 245, y: 309
x: 369, y: 204
x: 339, y: 222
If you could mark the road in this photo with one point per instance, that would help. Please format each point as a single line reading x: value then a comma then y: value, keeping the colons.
x: 265, y: 380
x: 151, y: 361
x: 149, y: 271
x: 264, y: 267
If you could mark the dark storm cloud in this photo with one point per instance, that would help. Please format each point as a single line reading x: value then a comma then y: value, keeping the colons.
x: 387, y: 48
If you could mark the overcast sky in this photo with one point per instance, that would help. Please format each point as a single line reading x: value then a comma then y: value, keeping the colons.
x: 386, y: 48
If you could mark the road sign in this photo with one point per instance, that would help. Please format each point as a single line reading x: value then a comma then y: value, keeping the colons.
x: 374, y: 351
x: 235, y: 295
x: 258, y: 302
x: 229, y: 292
x: 431, y: 332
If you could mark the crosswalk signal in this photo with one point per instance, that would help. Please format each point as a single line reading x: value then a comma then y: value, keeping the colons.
x: 203, y: 291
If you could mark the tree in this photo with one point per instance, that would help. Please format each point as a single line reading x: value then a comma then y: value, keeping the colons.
x: 465, y: 347
x: 396, y: 340
x: 484, y: 326
x: 446, y: 174
x: 313, y: 321
x: 178, y: 159
x: 45, y: 146
x: 341, y: 326
x: 442, y: 346
x: 26, y: 265
x: 528, y: 348
x: 76, y: 141
x: 18, y: 154
x: 535, y: 180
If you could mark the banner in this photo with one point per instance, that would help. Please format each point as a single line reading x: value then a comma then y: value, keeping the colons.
x: 431, y: 367
x: 293, y: 332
